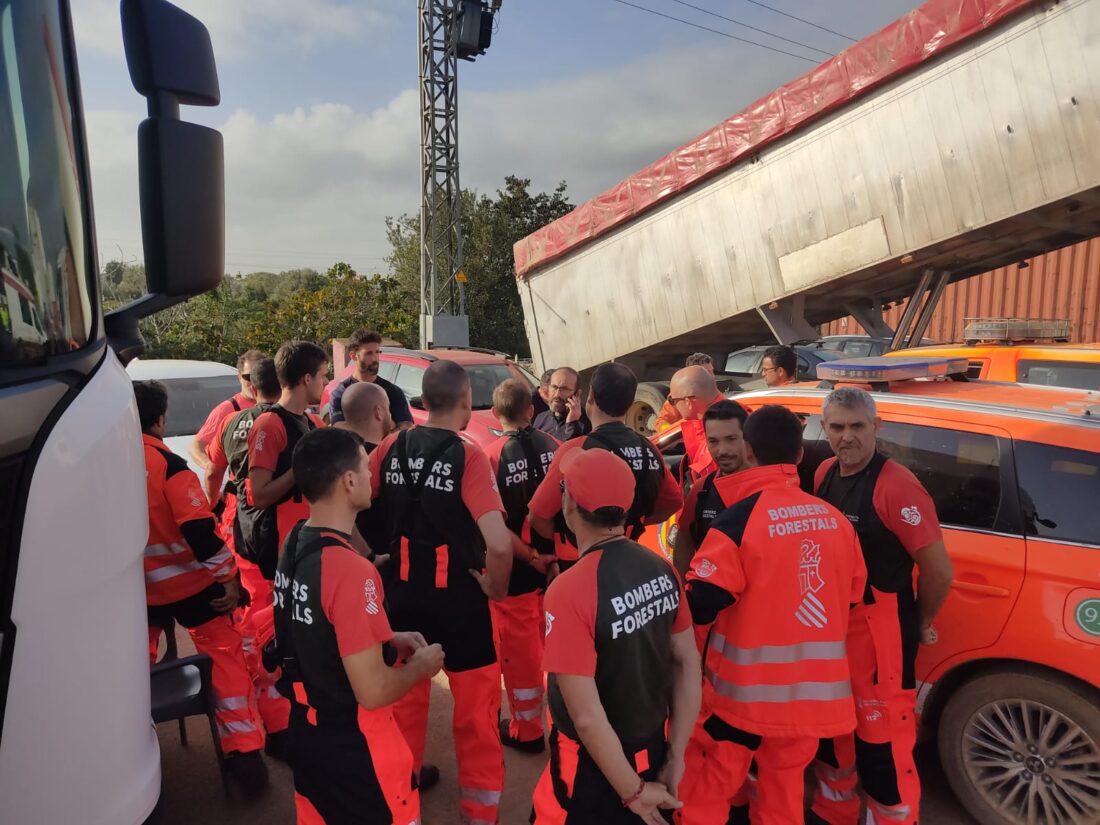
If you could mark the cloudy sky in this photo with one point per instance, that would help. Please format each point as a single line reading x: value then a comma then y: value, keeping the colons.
x: 320, y: 108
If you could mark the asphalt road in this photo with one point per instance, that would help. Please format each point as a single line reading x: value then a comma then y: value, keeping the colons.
x: 192, y: 791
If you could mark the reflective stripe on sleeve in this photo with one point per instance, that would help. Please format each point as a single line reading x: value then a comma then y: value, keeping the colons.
x: 171, y: 571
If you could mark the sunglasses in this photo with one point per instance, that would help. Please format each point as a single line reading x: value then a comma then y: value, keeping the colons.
x: 246, y: 376
x: 681, y: 398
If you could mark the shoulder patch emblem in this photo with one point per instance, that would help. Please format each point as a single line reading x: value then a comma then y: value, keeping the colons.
x: 371, y: 594
x: 911, y: 515
x: 549, y: 621
x: 706, y: 569
x: 196, y: 496
x: 260, y: 437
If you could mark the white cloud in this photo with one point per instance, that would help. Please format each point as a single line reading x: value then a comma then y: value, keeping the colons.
x: 314, y: 185
x: 240, y: 27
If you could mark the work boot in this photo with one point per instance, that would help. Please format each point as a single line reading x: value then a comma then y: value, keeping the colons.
x: 249, y: 771
x: 428, y: 777
x: 528, y: 746
x: 276, y: 746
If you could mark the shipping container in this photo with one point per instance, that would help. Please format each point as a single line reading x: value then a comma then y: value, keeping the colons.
x: 1062, y: 284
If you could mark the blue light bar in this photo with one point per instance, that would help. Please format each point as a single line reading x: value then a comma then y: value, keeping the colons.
x: 880, y: 369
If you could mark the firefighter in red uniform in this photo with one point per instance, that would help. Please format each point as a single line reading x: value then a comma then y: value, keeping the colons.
x: 190, y: 576
x: 692, y: 391
x: 452, y: 553
x: 272, y: 504
x: 723, y: 425
x: 897, y: 526
x: 229, y: 452
x: 208, y: 432
x: 520, y: 459
x: 656, y: 496
x: 334, y: 643
x: 772, y: 585
x: 623, y: 670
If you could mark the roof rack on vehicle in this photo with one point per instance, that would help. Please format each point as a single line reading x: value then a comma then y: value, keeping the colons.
x: 472, y: 349
x: 416, y: 353
x: 879, y: 371
x: 1013, y: 330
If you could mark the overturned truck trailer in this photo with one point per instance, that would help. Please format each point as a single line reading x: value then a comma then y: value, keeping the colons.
x: 960, y: 138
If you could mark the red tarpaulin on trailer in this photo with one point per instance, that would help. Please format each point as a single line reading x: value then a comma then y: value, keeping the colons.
x: 924, y: 33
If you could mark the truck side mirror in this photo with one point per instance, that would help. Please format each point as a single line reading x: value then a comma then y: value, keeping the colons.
x: 181, y: 168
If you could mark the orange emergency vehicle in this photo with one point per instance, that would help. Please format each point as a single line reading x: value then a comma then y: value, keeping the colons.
x: 1027, y: 351
x: 1012, y: 687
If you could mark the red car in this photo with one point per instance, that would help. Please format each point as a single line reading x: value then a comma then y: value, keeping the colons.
x: 487, y: 369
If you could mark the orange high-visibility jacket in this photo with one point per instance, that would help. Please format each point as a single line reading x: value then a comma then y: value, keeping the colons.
x: 777, y: 574
x: 186, y: 552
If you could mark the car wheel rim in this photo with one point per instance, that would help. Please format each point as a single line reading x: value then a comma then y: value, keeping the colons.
x: 1033, y: 764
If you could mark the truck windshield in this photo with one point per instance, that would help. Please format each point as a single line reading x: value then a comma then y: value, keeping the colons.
x: 46, y: 303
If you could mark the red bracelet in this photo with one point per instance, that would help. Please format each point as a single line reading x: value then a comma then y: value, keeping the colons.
x: 630, y: 800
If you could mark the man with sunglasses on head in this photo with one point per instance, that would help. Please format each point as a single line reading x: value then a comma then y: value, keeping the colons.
x: 243, y: 400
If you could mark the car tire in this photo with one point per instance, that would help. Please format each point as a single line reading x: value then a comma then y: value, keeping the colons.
x: 648, y: 400
x: 1021, y: 748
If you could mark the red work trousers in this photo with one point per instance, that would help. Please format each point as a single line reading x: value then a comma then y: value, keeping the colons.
x: 478, y: 750
x: 518, y: 626
x: 353, y: 779
x: 717, y: 761
x: 257, y: 627
x: 881, y: 662
x: 235, y: 710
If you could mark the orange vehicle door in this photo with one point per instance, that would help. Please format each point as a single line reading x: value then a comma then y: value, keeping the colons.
x: 968, y: 470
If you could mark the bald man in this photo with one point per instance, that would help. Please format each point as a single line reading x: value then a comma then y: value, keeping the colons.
x: 692, y: 391
x: 366, y: 409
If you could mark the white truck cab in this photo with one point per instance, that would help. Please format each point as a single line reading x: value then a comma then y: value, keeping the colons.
x: 76, y: 738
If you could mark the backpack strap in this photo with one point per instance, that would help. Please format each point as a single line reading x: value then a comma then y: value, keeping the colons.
x: 236, y: 404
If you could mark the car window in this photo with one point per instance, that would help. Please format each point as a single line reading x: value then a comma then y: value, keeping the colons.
x: 484, y: 378
x: 1059, y: 374
x: 743, y: 362
x: 409, y: 380
x: 861, y: 349
x: 190, y: 401
x: 960, y: 470
x: 387, y: 370
x: 1059, y: 491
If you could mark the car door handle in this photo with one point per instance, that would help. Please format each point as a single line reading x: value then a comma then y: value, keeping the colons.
x: 981, y: 589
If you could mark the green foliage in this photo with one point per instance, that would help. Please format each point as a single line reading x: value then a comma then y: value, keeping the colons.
x: 261, y: 310
x: 493, y: 225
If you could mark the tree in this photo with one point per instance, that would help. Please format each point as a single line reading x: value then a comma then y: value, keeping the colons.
x: 492, y: 226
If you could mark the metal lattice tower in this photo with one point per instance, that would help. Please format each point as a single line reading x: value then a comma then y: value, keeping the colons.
x: 442, y: 301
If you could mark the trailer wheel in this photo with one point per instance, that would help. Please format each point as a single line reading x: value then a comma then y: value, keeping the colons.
x: 642, y: 415
x: 1022, y: 748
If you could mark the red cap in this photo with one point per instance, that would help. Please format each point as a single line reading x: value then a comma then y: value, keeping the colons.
x: 598, y: 478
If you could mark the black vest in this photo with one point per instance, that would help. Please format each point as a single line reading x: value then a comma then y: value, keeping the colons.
x: 637, y: 595
x: 524, y: 460
x: 434, y: 541
x: 235, y: 445
x: 305, y: 638
x: 889, y: 565
x: 708, y: 504
x: 256, y: 529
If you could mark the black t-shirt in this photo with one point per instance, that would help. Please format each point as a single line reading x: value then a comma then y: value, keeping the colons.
x: 611, y: 616
x: 399, y: 404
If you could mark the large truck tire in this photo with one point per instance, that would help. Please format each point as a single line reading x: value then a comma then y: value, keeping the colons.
x: 1022, y: 748
x: 648, y: 400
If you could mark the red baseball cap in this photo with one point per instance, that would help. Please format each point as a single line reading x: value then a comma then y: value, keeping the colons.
x: 598, y: 478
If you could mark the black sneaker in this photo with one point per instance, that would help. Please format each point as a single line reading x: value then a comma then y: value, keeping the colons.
x: 249, y: 771
x: 528, y: 746
x: 428, y: 778
x: 277, y: 745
